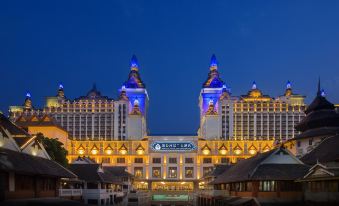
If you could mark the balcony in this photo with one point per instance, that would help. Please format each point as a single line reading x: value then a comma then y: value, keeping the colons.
x: 70, y: 192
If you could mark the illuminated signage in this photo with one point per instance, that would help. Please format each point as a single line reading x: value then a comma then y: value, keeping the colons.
x: 166, y: 146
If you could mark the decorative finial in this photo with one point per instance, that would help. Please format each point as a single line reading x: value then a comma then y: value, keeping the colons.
x: 94, y: 87
x: 254, y: 85
x: 28, y: 95
x: 288, y: 85
x: 123, y: 88
x: 134, y: 63
x: 214, y: 63
x: 319, y: 90
x: 136, y: 102
x: 211, y: 102
x: 61, y: 86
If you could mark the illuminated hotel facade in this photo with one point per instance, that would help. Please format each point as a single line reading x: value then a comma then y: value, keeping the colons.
x: 114, y: 132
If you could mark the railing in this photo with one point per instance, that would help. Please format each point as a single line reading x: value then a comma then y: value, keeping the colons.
x: 97, y: 193
x: 213, y: 193
x: 70, y: 192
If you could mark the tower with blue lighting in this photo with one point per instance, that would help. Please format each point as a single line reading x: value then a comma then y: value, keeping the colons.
x: 215, y: 103
x: 133, y: 95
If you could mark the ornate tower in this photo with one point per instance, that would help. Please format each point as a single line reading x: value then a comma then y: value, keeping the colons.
x: 213, y: 93
x: 134, y: 95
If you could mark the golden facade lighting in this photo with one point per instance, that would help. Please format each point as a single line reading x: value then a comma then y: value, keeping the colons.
x: 94, y: 150
x: 206, y: 150
x: 81, y: 150
x: 252, y: 150
x: 123, y: 149
x: 237, y: 150
x: 223, y: 149
x: 266, y: 148
x: 109, y: 150
x: 140, y: 150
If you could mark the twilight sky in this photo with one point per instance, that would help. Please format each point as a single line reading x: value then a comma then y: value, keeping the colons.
x: 82, y: 42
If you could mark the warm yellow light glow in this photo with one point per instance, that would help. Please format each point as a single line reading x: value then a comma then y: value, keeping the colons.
x: 223, y: 151
x: 81, y: 151
x: 205, y: 151
x: 94, y: 151
x: 252, y: 151
x: 237, y: 151
x: 183, y: 183
x: 123, y: 150
x: 109, y: 151
x: 140, y: 150
x: 162, y: 183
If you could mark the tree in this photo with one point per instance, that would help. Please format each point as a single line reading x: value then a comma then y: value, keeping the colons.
x: 54, y: 148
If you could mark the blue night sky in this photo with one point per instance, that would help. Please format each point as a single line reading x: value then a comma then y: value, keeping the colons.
x: 82, y: 42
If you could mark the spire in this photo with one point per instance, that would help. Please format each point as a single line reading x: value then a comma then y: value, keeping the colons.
x: 134, y: 63
x: 288, y: 91
x: 213, y: 80
x: 254, y: 85
x: 28, y: 101
x: 288, y: 85
x: 61, y: 93
x: 94, y: 93
x: 214, y: 63
x: 134, y: 79
x: 319, y: 90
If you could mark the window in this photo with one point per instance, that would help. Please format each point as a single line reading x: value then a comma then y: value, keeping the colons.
x: 310, y: 141
x: 156, y: 172
x: 156, y: 160
x: 206, y: 170
x: 172, y: 160
x: 172, y: 172
x: 138, y: 172
x: 267, y: 186
x: 189, y: 160
x: 120, y: 160
x: 207, y: 160
x: 138, y: 160
x: 106, y: 160
x: 189, y: 172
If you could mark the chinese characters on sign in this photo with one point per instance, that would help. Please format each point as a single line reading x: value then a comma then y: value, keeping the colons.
x: 173, y: 146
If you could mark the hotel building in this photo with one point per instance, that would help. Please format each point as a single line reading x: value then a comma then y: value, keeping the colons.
x: 114, y: 132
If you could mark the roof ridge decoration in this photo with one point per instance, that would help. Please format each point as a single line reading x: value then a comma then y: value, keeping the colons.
x: 134, y: 80
x: 213, y: 79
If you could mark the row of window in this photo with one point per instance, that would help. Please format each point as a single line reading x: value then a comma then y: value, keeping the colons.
x: 172, y: 172
x: 157, y: 160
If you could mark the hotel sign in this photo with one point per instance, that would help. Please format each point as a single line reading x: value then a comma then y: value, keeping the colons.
x: 166, y: 146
